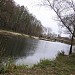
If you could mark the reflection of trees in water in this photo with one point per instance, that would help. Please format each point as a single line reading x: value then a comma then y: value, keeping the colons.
x: 17, y: 46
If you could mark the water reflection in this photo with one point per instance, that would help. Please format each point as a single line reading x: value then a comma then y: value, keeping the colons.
x: 30, y: 51
x: 44, y: 50
x: 17, y: 46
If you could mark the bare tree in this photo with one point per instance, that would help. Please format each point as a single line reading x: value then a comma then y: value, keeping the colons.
x: 64, y: 10
x: 69, y: 20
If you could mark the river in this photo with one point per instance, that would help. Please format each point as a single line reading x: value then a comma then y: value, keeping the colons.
x: 29, y: 51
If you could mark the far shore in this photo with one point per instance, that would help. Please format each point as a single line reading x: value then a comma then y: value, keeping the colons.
x: 11, y: 33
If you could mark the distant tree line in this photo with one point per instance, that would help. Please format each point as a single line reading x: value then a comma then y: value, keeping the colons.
x: 17, y: 18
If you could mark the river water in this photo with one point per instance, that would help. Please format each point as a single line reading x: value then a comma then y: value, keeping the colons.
x: 28, y: 51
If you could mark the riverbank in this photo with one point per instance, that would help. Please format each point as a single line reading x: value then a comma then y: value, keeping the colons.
x: 62, y: 65
x: 10, y: 33
x: 15, y: 34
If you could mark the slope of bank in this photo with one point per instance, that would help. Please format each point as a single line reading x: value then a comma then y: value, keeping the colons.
x: 10, y: 33
x: 62, y: 65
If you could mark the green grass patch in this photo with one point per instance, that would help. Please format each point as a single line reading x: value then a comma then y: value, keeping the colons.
x: 62, y: 65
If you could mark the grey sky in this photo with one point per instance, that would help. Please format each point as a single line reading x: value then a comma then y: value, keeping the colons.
x: 44, y: 14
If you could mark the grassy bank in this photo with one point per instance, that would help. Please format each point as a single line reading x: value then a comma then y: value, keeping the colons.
x: 10, y: 33
x: 62, y: 65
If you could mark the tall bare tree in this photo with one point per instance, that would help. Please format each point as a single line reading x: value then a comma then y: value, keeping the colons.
x: 64, y: 10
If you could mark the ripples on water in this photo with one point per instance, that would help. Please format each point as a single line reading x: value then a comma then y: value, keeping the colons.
x: 44, y: 50
x: 30, y: 51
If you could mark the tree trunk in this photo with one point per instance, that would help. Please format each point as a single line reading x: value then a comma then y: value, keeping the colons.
x: 70, y: 52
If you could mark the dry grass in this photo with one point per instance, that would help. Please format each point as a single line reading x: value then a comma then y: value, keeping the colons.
x: 63, y: 65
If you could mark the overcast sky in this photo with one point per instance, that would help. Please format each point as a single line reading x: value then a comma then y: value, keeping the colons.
x: 44, y: 14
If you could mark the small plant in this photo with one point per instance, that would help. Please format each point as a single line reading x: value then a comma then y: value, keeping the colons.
x: 2, y: 68
x: 7, y: 67
x: 10, y: 66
